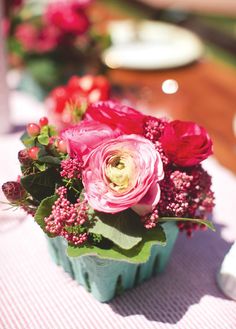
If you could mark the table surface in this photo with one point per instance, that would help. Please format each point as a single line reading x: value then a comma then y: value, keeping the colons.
x: 35, y: 293
x: 206, y: 95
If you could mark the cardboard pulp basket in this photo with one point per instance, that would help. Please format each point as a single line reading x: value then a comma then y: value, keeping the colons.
x: 106, y: 278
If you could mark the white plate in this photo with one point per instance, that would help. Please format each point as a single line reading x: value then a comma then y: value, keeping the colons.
x: 151, y: 45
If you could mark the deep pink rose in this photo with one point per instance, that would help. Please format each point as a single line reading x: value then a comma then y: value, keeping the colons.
x: 116, y: 115
x: 186, y: 143
x: 123, y: 173
x: 85, y: 136
x: 67, y: 16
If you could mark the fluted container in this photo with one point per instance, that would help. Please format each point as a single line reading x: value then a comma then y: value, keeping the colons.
x: 106, y: 278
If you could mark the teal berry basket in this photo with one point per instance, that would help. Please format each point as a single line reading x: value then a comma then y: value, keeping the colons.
x: 106, y: 278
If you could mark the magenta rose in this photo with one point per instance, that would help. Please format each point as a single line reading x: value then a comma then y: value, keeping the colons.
x: 122, y: 173
x: 185, y: 143
x: 85, y: 136
x: 116, y: 115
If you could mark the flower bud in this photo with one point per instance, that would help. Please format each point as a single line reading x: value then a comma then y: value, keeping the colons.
x: 13, y: 191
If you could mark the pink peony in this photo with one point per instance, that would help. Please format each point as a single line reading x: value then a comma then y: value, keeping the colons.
x: 185, y: 143
x: 121, y: 173
x: 116, y: 115
x: 85, y: 136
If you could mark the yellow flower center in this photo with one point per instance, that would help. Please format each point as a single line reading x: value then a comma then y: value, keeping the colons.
x: 120, y: 171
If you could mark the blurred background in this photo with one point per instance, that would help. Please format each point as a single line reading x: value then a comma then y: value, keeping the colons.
x: 174, y: 58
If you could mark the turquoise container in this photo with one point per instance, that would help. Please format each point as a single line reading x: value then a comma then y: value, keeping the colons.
x: 106, y: 278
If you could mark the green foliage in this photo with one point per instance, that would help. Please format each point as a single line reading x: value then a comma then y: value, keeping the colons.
x: 40, y: 166
x: 124, y: 229
x: 44, y: 210
x: 45, y: 70
x: 42, y: 184
x: 138, y: 254
x: 194, y: 220
x: 49, y: 160
x: 27, y: 140
x: 43, y: 139
x: 14, y: 46
x: 52, y: 131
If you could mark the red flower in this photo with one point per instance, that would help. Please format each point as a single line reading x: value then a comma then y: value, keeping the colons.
x: 116, y: 115
x: 186, y: 143
x: 66, y: 104
x: 68, y: 17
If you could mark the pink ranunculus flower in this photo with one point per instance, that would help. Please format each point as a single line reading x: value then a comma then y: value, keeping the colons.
x: 116, y: 115
x: 85, y: 136
x: 122, y: 173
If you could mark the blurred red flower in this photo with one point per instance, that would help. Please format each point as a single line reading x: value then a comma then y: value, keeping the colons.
x: 68, y: 17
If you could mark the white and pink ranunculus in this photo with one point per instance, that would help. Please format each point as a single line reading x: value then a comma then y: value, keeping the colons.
x: 122, y: 173
x: 85, y: 136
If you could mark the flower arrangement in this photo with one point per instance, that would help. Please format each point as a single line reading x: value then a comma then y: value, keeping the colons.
x: 55, y: 43
x: 67, y: 104
x: 109, y: 183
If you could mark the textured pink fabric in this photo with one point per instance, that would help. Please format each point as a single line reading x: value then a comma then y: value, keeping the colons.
x: 35, y: 293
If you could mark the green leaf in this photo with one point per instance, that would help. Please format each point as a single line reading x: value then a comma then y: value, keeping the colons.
x: 44, y: 130
x: 124, y: 228
x: 52, y: 131
x: 27, y: 140
x: 45, y: 71
x: 41, y: 167
x: 44, y: 210
x: 138, y: 254
x: 50, y: 160
x: 205, y: 222
x: 43, y: 139
x: 41, y: 185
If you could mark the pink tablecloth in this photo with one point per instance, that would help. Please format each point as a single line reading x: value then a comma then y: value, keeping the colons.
x: 35, y: 293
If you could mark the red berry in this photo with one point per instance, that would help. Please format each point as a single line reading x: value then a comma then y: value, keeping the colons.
x: 43, y: 121
x: 203, y: 227
x: 33, y: 129
x: 61, y: 145
x: 33, y: 152
x: 13, y: 191
x: 23, y: 157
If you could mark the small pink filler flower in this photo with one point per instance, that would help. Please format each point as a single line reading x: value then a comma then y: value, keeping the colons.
x: 122, y: 173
